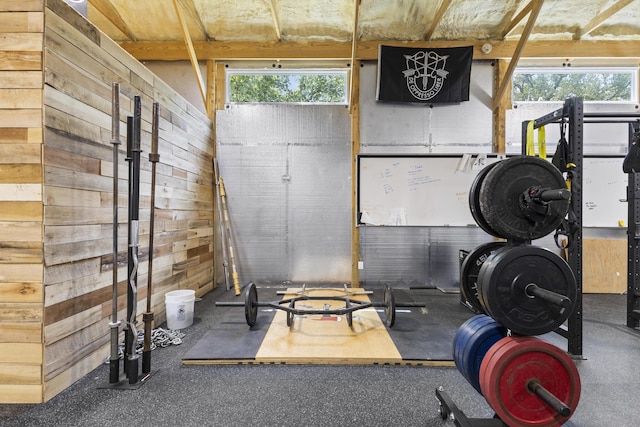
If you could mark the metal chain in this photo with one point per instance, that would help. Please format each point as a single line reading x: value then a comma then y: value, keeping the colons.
x: 159, y: 338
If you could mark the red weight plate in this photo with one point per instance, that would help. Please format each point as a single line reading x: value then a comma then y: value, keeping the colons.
x: 511, y: 364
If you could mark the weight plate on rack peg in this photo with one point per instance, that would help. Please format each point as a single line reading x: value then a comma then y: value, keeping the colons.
x: 389, y: 306
x: 506, y: 284
x: 529, y: 382
x: 470, y: 343
x: 251, y: 304
x: 510, y: 200
x: 469, y: 273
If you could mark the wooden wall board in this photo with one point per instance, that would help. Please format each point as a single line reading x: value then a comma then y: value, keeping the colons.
x: 20, y: 80
x: 31, y: 42
x: 29, y: 353
x: 12, y: 61
x: 20, y: 98
x: 26, y: 118
x: 604, y: 266
x: 15, y: 312
x: 22, y: 292
x: 28, y: 332
x: 20, y: 393
x: 18, y: 273
x: 22, y: 22
x: 20, y: 6
x: 20, y: 153
x: 20, y: 373
x: 20, y: 211
x: 21, y: 252
x: 21, y: 191
x: 11, y: 173
x: 21, y: 231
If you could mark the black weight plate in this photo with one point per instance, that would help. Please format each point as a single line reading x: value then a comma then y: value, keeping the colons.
x: 469, y: 273
x: 474, y: 200
x: 251, y: 304
x: 289, y: 314
x: 502, y: 281
x: 389, y: 306
x: 500, y: 192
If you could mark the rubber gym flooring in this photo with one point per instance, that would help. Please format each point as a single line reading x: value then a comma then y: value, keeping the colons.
x: 420, y: 335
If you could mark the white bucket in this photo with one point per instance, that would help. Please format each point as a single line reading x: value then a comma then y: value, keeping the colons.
x: 179, y: 308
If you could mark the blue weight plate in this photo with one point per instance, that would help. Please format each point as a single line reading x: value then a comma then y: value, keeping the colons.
x: 473, y: 343
x: 463, y: 334
x: 461, y: 341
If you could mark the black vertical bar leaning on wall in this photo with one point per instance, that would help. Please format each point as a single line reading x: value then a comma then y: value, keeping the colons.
x: 633, y: 237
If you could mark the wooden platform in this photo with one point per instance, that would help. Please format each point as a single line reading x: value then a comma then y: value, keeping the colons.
x: 420, y: 336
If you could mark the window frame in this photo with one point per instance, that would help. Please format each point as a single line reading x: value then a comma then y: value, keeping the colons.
x: 632, y: 71
x: 289, y: 71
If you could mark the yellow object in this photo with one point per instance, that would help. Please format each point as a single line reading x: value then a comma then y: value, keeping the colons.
x: 621, y: 223
x: 542, y: 142
x: 530, y: 149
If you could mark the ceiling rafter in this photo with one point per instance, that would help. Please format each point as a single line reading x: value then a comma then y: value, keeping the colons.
x: 436, y: 20
x: 519, y: 17
x: 601, y: 18
x: 106, y: 8
x: 191, y: 50
x: 193, y: 13
x: 533, y: 16
x: 276, y: 21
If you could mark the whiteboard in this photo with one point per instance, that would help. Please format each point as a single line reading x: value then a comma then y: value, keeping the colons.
x: 433, y: 190
x: 604, y: 192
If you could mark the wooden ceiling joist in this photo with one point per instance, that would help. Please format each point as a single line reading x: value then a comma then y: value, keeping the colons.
x: 193, y: 13
x: 601, y: 18
x: 106, y: 8
x: 533, y: 16
x: 191, y: 51
x: 276, y: 21
x: 436, y: 19
x: 519, y: 17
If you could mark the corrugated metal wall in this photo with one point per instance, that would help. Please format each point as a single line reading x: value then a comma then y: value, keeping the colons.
x: 287, y: 172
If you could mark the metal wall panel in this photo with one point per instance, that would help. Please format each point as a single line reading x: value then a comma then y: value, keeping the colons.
x: 287, y: 173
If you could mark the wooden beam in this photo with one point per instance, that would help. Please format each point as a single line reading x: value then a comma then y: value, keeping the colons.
x: 518, y: 52
x: 276, y: 21
x: 106, y: 8
x: 368, y: 50
x: 436, y: 19
x: 499, y: 113
x: 191, y: 51
x: 355, y: 150
x: 211, y: 92
x: 519, y: 17
x: 601, y: 18
x: 354, y: 51
x: 193, y: 12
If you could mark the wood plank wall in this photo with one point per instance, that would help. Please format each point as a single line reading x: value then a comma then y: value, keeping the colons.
x: 56, y: 187
x: 21, y: 268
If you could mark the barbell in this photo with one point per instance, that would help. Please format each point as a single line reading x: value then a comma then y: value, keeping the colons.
x: 288, y: 305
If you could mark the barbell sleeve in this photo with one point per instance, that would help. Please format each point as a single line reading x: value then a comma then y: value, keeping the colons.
x: 559, y: 194
x: 547, y: 397
x: 534, y: 291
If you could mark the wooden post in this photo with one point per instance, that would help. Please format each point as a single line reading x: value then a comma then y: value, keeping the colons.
x: 355, y: 149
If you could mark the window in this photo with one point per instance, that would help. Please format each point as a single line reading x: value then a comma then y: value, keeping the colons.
x: 290, y: 86
x: 592, y: 84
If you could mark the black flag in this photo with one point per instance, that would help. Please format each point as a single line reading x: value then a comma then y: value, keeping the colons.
x: 424, y: 75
